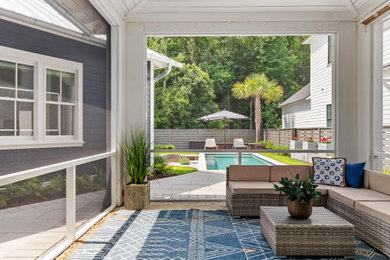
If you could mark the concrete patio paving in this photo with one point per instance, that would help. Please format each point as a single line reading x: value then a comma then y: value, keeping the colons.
x: 201, y: 185
x: 28, y: 231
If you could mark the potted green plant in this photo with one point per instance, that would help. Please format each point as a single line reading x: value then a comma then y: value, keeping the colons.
x: 300, y: 195
x: 136, y: 157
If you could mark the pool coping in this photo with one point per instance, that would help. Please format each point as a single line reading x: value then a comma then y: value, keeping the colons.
x: 202, y: 166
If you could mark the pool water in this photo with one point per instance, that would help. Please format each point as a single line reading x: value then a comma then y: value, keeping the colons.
x: 221, y: 161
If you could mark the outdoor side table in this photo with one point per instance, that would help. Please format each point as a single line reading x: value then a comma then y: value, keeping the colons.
x: 323, y: 234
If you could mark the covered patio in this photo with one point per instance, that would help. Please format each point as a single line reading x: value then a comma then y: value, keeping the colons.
x: 97, y: 51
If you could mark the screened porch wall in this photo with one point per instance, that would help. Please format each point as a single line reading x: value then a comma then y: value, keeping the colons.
x: 96, y: 98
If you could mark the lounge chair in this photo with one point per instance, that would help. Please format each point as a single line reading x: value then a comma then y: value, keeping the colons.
x: 239, y: 143
x: 210, y: 144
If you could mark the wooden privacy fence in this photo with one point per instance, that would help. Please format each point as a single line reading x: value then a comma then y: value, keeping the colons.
x: 283, y: 136
x: 180, y: 137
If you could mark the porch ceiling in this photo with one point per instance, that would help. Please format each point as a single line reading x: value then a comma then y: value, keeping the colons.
x: 245, y: 10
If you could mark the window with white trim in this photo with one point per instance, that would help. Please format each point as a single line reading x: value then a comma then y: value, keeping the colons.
x: 40, y: 100
x: 16, y: 99
x: 60, y: 103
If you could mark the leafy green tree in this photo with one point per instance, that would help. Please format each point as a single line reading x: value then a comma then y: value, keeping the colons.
x: 189, y: 95
x: 259, y: 86
x: 227, y: 60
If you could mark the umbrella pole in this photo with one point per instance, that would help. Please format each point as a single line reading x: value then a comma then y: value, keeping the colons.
x: 224, y: 124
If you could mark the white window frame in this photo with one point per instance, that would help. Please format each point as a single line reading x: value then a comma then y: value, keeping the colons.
x: 41, y: 63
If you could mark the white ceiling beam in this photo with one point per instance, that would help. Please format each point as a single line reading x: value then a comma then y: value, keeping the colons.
x: 352, y: 8
x: 241, y: 9
x: 238, y: 28
x: 240, y: 17
x: 245, y: 2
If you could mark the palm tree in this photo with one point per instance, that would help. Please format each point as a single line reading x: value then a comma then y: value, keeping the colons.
x: 259, y: 86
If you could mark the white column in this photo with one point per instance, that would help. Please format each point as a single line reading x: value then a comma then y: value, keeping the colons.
x: 135, y: 77
x: 345, y: 92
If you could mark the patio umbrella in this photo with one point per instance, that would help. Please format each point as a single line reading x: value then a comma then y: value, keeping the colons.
x: 224, y: 114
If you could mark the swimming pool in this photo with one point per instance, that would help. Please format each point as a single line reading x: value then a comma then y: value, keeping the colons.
x: 221, y: 161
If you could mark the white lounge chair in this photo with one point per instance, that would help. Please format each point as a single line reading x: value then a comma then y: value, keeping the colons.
x: 210, y: 144
x: 239, y: 143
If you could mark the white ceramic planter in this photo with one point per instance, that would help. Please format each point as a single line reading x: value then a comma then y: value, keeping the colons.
x: 322, y: 146
x: 309, y: 145
x: 295, y: 145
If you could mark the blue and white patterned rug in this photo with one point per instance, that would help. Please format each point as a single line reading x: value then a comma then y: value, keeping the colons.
x: 184, y: 234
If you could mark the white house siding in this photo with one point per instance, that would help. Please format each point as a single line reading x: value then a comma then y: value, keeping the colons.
x: 386, y: 74
x: 320, y: 80
x: 312, y: 113
x: 297, y: 115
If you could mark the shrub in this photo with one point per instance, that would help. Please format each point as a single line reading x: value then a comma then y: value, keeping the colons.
x: 160, y: 165
x: 184, y: 161
x: 157, y: 147
x: 272, y: 146
x: 159, y: 159
x: 170, y: 147
x: 164, y: 146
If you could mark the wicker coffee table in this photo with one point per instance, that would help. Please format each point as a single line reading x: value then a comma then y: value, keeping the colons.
x: 323, y: 234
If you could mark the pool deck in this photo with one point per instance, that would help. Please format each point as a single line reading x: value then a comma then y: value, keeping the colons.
x: 195, y: 186
x: 203, y: 185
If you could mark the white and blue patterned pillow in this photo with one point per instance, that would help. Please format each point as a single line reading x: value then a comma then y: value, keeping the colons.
x: 329, y: 171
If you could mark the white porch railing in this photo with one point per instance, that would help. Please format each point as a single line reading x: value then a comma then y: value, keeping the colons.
x: 70, y: 166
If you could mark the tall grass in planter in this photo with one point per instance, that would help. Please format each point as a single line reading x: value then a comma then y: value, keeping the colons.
x: 136, y: 157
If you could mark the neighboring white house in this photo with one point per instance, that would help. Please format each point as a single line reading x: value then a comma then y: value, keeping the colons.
x: 386, y: 74
x: 311, y: 106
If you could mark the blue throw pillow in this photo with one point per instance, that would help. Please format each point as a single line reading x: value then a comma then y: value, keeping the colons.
x: 354, y: 174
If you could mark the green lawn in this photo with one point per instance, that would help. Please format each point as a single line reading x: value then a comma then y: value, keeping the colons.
x: 180, y: 170
x: 284, y: 159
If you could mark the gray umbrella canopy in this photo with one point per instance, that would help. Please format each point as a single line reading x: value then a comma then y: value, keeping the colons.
x: 224, y: 114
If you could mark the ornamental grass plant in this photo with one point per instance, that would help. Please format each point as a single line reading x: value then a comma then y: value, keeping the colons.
x: 136, y: 157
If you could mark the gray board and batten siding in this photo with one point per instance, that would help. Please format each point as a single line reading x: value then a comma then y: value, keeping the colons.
x: 96, y: 98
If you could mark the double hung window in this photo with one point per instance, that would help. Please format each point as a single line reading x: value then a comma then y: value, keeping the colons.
x: 40, y: 100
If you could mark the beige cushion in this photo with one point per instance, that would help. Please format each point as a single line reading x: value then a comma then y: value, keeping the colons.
x: 366, y: 178
x: 350, y: 195
x: 289, y: 171
x: 324, y: 189
x: 377, y: 209
x: 379, y: 182
x: 321, y: 188
x: 252, y: 187
x: 249, y: 173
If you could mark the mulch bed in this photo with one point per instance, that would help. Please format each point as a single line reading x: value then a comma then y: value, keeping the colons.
x: 161, y: 176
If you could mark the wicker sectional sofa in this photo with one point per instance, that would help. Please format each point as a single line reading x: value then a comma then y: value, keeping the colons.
x: 250, y: 186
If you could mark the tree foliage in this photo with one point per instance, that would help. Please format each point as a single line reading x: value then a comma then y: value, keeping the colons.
x: 213, y: 65
x: 257, y: 85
